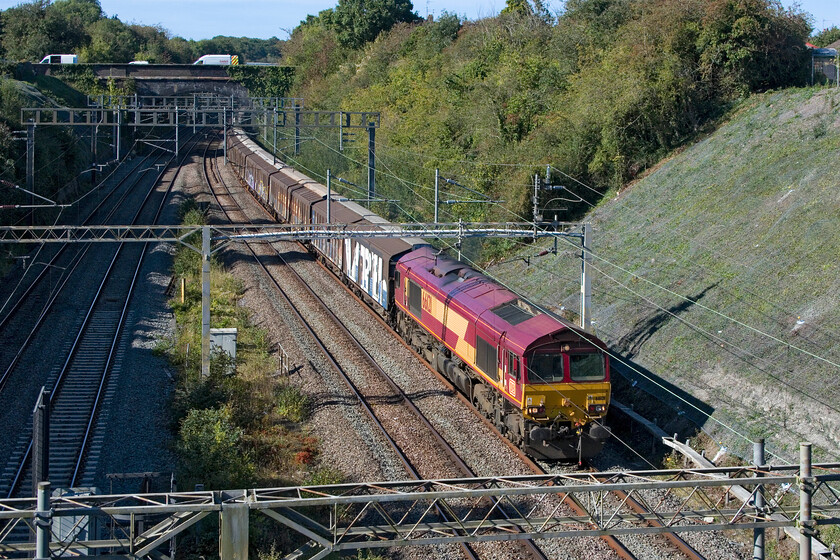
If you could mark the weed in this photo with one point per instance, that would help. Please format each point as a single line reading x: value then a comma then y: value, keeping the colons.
x: 324, y: 475
x: 830, y: 535
x: 820, y: 129
x: 292, y: 405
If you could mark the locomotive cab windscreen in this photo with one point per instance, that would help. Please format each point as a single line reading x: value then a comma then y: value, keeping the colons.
x: 586, y: 367
x: 549, y: 365
x: 545, y: 366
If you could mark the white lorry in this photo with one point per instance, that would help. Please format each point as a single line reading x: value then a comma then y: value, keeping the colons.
x: 60, y: 59
x: 225, y: 59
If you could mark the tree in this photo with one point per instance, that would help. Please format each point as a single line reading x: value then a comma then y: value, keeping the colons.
x: 211, y: 442
x: 35, y: 29
x: 750, y: 45
x: 357, y: 22
x: 110, y: 41
x: 154, y: 44
x: 25, y: 31
x: 524, y: 8
x: 79, y: 13
x: 67, y: 22
x: 598, y: 19
x: 826, y: 36
x: 520, y: 7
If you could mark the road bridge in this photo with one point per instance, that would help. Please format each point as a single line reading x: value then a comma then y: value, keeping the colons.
x: 157, y: 79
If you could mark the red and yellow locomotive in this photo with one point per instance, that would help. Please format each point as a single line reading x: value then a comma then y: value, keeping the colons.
x: 542, y: 381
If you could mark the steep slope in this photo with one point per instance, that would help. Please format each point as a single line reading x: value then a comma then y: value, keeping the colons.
x: 719, y: 273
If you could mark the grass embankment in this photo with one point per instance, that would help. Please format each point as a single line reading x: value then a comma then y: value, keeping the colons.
x: 239, y: 427
x: 718, y: 272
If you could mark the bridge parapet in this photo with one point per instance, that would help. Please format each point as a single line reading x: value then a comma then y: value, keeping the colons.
x: 140, y: 71
x: 157, y: 79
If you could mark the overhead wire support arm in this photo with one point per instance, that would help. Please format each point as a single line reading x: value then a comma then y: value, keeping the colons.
x: 469, y: 201
x: 452, y: 182
x: 438, y: 201
x: 545, y: 185
x: 18, y: 187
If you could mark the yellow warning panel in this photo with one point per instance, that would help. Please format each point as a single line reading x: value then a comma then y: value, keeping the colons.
x: 234, y: 59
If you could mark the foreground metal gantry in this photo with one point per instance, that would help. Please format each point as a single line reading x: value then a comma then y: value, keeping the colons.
x: 351, y: 517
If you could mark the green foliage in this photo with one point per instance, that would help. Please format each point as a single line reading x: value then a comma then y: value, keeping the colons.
x: 200, y: 393
x: 749, y: 45
x: 157, y: 47
x: 596, y: 20
x: 110, y: 41
x: 210, y: 441
x: 602, y: 94
x: 520, y: 7
x: 826, y: 36
x: 24, y: 30
x: 357, y: 22
x: 315, y: 49
x: 263, y: 81
x: 323, y: 476
x: 292, y: 405
x: 78, y: 13
x: 80, y: 78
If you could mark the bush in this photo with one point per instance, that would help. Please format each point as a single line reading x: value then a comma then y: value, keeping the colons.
x: 209, y: 448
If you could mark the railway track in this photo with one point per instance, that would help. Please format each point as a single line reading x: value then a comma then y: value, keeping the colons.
x: 77, y: 386
x: 36, y: 300
x: 617, y: 546
x: 378, y: 401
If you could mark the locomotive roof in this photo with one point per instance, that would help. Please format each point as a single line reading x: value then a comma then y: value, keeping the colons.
x: 483, y: 299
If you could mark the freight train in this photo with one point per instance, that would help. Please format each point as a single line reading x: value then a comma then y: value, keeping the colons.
x: 542, y: 381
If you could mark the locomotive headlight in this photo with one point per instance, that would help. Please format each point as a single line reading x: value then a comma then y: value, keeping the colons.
x: 534, y: 410
x: 597, y: 408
